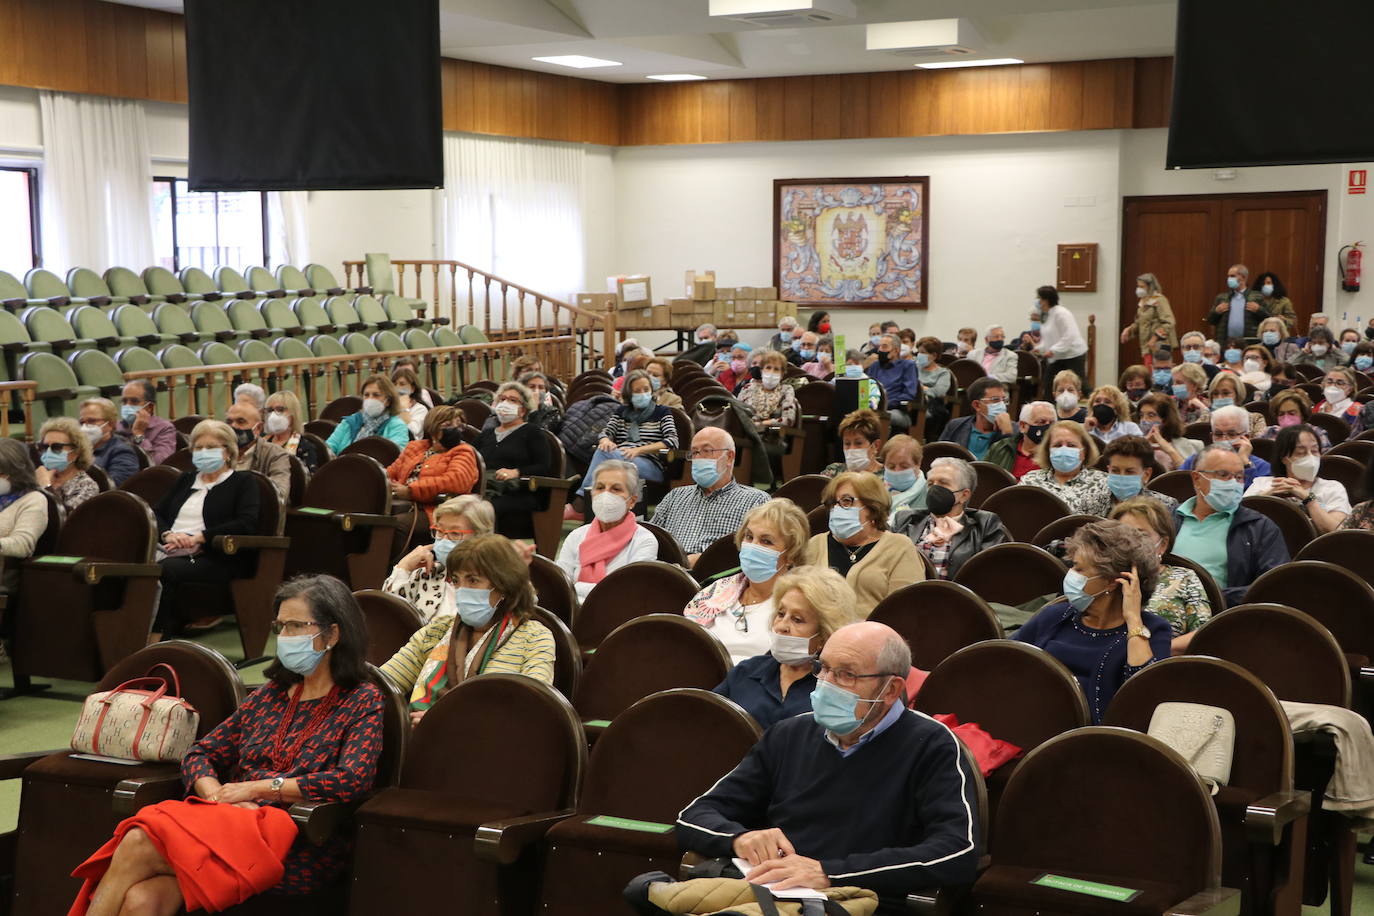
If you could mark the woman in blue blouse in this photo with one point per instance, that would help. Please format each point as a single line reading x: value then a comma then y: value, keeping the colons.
x: 812, y: 602
x: 1099, y: 630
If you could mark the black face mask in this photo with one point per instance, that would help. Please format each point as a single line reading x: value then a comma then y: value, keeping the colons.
x: 1104, y: 414
x: 1369, y: 332
x: 997, y: 344
x: 884, y: 358
x: 450, y: 437
x: 1036, y: 433
x: 245, y: 437
x: 939, y: 500
x: 1135, y: 394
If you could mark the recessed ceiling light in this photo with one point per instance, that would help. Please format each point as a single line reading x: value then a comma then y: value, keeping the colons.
x: 674, y: 77
x: 989, y: 62
x: 579, y: 61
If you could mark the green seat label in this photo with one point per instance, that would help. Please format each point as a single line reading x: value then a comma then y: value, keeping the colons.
x: 1092, y: 888
x: 625, y: 823
x: 57, y: 561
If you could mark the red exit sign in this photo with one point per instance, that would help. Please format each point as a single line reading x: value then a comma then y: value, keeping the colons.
x: 1358, y: 182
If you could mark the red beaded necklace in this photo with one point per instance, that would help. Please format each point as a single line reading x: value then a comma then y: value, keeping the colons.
x: 281, y: 756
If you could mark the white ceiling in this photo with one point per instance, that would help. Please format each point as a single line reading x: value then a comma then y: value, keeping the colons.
x: 677, y: 36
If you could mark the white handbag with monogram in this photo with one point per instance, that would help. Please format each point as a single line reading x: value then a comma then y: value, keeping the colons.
x: 1204, y: 735
x: 138, y: 720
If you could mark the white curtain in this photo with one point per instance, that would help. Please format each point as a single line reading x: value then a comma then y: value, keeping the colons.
x: 97, y: 183
x: 289, y: 229
x: 514, y: 209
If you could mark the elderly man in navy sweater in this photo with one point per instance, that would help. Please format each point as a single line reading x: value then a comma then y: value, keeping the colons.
x: 862, y: 792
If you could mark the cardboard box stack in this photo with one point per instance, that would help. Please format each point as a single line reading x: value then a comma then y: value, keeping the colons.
x: 726, y: 306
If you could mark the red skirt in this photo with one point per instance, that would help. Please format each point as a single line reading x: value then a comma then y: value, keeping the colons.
x: 221, y: 855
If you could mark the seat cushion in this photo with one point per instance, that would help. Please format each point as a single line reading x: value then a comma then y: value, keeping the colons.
x: 1008, y: 890
x: 65, y: 768
x: 439, y: 811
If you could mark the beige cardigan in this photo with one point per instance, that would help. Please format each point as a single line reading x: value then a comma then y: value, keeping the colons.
x: 893, y: 563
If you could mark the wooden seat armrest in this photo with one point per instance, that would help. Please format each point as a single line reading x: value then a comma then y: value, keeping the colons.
x: 502, y: 842
x: 132, y: 794
x: 318, y: 821
x: 93, y: 571
x: 1215, y: 901
x: 61, y: 394
x: 230, y: 544
x: 796, y: 432
x: 351, y: 520
x: 1367, y: 675
x: 1266, y: 818
x: 547, y: 483
x: 12, y: 766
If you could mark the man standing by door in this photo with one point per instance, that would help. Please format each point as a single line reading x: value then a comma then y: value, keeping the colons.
x: 1238, y: 311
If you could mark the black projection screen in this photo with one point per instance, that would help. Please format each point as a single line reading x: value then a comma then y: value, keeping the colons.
x: 1272, y: 82
x: 312, y: 95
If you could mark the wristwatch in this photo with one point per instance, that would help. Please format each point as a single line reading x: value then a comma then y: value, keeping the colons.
x: 1142, y: 631
x: 1308, y: 499
x: 277, y: 783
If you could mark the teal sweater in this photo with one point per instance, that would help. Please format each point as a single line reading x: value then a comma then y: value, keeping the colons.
x: 394, y: 429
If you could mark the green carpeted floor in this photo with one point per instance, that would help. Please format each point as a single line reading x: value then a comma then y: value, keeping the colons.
x: 46, y: 720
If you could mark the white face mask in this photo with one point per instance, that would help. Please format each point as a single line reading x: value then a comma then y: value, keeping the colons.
x: 1141, y: 292
x: 5, y: 486
x: 1251, y: 365
x: 92, y: 431
x: 771, y: 379
x: 506, y: 412
x: 608, y: 508
x: 856, y: 459
x: 1066, y: 400
x: 1333, y: 394
x: 790, y: 650
x: 1305, y: 468
x: 277, y: 423
x: 1319, y: 349
x: 374, y: 407
x: 906, y: 349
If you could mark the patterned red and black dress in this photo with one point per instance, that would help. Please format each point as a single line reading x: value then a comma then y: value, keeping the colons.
x: 336, y: 762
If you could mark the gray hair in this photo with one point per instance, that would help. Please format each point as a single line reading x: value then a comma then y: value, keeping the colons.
x: 17, y: 465
x: 707, y: 328
x: 1322, y: 315
x: 1114, y: 547
x: 1198, y: 334
x: 1151, y: 283
x: 787, y: 321
x: 148, y: 388
x: 963, y: 471
x: 253, y: 393
x: 854, y: 355
x: 1212, y: 449
x: 220, y: 431
x: 1232, y: 412
x: 991, y: 328
x: 525, y: 394
x: 1029, y: 407
x: 479, y: 513
x: 627, y: 468
x: 894, y: 657
x: 1241, y: 269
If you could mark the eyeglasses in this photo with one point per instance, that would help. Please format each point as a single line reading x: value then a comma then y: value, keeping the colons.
x: 56, y: 447
x: 1221, y: 436
x: 844, y: 502
x: 451, y: 534
x: 280, y: 408
x: 741, y: 621
x: 292, y: 627
x: 841, y: 677
x: 133, y: 402
x: 1223, y: 475
x: 991, y: 400
x: 707, y: 452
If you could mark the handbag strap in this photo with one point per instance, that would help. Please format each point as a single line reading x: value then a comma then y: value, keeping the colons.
x: 161, y: 691
x: 1217, y: 723
x: 176, y: 680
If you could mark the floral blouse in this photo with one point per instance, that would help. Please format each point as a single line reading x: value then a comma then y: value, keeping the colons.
x: 778, y: 404
x: 1180, y: 599
x: 1362, y: 518
x: 1086, y: 494
x: 337, y: 764
x: 76, y: 491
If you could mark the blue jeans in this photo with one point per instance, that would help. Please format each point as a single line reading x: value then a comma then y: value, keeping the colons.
x: 648, y: 468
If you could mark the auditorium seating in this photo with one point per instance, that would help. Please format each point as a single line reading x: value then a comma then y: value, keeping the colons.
x: 937, y: 618
x: 391, y: 621
x: 669, y: 550
x: 1025, y: 510
x: 345, y: 527
x: 720, y: 556
x: 1012, y: 573
x: 657, y: 587
x: 553, y: 591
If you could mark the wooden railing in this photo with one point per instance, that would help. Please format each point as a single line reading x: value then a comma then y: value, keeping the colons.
x: 26, y: 390
x: 501, y: 308
x: 318, y: 380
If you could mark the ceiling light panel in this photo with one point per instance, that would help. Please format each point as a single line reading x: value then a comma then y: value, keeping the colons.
x: 989, y: 62
x: 577, y: 61
x: 675, y: 77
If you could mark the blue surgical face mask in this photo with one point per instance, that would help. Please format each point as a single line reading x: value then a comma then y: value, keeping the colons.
x: 208, y: 460
x: 55, y: 461
x: 1162, y: 378
x: 442, y: 548
x: 298, y: 654
x: 1224, y: 495
x: 1065, y: 458
x: 1233, y: 355
x: 1364, y: 363
x: 797, y: 345
x: 1233, y: 282
x: 474, y: 606
x: 1192, y: 356
x: 853, y: 371
x: 875, y: 339
x: 807, y: 355
x: 902, y: 480
x: 1348, y: 346
x: 785, y: 336
x: 1270, y: 338
x: 922, y: 360
x: 758, y: 563
x: 1267, y: 289
x: 128, y: 413
x: 1124, y: 486
x: 833, y: 708
x: 1035, y: 326
x: 642, y: 399
x: 845, y: 523
x: 705, y: 472
x: 1074, y: 590
x: 1181, y: 392
x: 1218, y: 403
x: 655, y: 383
x: 996, y: 410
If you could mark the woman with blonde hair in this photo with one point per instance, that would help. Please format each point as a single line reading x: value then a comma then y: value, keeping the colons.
x: 1227, y: 389
x: 1189, y: 389
x: 282, y: 424
x: 812, y: 603
x: 906, y: 484
x: 64, y: 454
x: 1068, y: 395
x: 379, y: 416
x: 1111, y: 415
x: 660, y: 378
x: 738, y: 606
x: 874, y: 561
x: 420, y: 576
x: 1066, y: 457
x: 1154, y: 318
x: 493, y: 632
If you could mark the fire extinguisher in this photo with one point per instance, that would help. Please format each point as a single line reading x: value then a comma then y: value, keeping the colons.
x: 1350, y: 267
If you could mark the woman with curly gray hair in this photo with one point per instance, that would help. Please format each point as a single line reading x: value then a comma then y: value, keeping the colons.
x: 512, y: 449
x: 1099, y: 629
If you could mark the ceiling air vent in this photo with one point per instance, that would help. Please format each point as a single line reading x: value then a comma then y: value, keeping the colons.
x: 784, y: 14
x: 931, y: 38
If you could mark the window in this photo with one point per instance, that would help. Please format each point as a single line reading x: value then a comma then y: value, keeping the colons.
x: 19, y: 250
x: 209, y: 229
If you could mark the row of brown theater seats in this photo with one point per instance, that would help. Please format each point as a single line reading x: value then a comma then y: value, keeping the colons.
x: 535, y: 831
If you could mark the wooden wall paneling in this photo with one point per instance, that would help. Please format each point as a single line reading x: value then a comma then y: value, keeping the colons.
x: 38, y: 35
x: 179, y: 59
x: 132, y: 67
x: 9, y: 58
x: 1033, y: 97
x: 1153, y: 91
x: 161, y: 57
x: 944, y: 101
x: 743, y: 110
x: 102, y: 70
x: 1099, y: 95
x: 1066, y: 96
x: 798, y: 99
x: 827, y: 108
x: 920, y: 94
x: 885, y: 104
x: 770, y: 109
x: 715, y: 112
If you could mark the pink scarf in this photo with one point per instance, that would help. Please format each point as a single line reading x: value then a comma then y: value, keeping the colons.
x: 601, y: 545
x: 942, y: 530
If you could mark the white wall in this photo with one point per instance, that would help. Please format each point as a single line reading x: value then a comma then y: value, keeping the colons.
x: 998, y: 207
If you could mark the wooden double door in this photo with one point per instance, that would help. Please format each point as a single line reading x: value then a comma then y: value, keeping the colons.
x: 1189, y: 242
